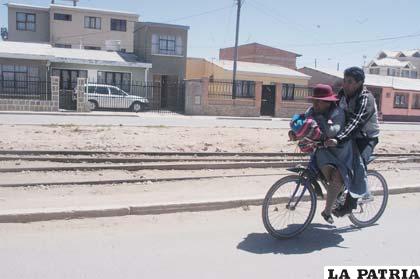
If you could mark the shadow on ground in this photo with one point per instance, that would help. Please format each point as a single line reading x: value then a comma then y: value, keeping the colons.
x: 315, y: 238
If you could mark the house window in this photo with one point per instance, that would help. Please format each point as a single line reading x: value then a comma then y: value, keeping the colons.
x: 118, y: 25
x: 25, y: 22
x: 167, y: 45
x: 18, y: 76
x: 245, y: 89
x: 405, y: 73
x: 120, y: 80
x: 393, y: 72
x: 62, y: 45
x: 288, y: 92
x: 64, y: 17
x: 374, y: 71
x: 92, y: 22
x: 413, y: 74
x: 92, y: 48
x: 401, y: 100
x: 68, y: 78
x: 416, y: 101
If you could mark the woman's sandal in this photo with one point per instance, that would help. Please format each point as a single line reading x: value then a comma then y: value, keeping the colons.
x: 328, y: 218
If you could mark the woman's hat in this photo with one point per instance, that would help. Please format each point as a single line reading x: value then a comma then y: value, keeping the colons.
x: 323, y: 92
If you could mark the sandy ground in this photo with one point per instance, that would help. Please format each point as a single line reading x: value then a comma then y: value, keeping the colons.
x: 164, y: 192
x: 175, y: 139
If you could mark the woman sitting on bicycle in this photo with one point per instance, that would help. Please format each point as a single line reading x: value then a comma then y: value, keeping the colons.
x: 335, y: 163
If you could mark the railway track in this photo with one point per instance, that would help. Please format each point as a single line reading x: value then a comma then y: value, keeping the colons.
x: 159, y: 162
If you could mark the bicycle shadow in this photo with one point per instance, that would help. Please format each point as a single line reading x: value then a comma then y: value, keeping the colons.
x: 315, y: 238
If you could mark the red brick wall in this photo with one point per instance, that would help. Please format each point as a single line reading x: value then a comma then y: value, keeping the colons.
x: 260, y: 54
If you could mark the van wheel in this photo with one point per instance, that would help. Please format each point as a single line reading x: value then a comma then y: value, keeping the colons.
x: 93, y: 105
x: 136, y: 107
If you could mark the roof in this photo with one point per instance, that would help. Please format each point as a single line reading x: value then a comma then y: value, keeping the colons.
x: 260, y: 69
x: 18, y: 5
x: 165, y: 25
x: 37, y: 51
x: 396, y: 54
x: 27, y: 6
x: 93, y: 10
x: 398, y: 83
x: 393, y: 82
x: 390, y: 62
x: 258, y: 44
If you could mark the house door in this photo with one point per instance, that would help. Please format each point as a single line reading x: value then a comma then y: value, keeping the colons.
x: 68, y: 82
x: 268, y: 100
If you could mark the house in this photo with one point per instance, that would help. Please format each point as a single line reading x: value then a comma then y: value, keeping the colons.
x: 258, y: 53
x: 71, y: 27
x: 396, y: 63
x: 397, y: 98
x: 164, y: 46
x: 104, y: 46
x: 267, y: 88
x: 23, y: 64
x: 325, y: 77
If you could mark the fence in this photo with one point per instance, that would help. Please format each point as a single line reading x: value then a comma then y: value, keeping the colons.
x: 25, y: 90
x: 138, y: 96
x: 222, y: 90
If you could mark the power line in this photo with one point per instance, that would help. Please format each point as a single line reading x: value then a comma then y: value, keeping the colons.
x: 356, y: 41
x: 268, y: 12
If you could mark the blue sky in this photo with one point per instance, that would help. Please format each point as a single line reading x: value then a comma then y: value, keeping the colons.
x: 315, y: 29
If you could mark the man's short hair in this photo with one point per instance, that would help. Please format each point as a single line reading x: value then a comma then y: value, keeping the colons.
x: 357, y: 73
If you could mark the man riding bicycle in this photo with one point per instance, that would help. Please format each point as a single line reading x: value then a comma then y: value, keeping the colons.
x: 362, y: 128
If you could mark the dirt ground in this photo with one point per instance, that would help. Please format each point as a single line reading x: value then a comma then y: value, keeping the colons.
x: 173, y: 139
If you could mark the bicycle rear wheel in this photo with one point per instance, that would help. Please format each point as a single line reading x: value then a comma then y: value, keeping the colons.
x: 371, y: 208
x: 289, y: 207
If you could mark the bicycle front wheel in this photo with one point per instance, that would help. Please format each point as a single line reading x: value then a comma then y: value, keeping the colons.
x: 371, y: 208
x: 289, y: 207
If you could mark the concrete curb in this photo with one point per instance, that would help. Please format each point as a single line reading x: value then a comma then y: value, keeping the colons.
x: 63, y: 113
x: 24, y: 216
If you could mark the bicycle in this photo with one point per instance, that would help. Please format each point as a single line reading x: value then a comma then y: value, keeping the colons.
x: 301, y: 200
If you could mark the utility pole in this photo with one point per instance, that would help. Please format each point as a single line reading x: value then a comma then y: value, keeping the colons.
x: 235, y: 52
x: 315, y: 63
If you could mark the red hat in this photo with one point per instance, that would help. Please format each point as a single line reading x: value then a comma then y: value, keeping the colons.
x: 323, y: 92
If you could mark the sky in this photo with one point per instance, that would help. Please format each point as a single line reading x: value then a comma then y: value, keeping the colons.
x: 331, y: 32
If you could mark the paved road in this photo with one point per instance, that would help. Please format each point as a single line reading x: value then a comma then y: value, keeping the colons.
x: 170, y: 120
x: 223, y: 244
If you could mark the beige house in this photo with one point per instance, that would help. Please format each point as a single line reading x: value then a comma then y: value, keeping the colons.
x: 72, y: 27
x: 261, y: 89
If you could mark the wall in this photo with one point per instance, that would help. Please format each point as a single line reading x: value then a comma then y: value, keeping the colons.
x: 320, y: 77
x: 285, y: 109
x: 73, y: 32
x: 197, y: 102
x: 34, y: 105
x: 398, y: 114
x: 170, y: 65
x: 260, y: 54
x: 42, y: 27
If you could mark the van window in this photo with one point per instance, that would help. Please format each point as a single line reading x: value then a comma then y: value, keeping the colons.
x: 102, y: 90
x: 90, y: 89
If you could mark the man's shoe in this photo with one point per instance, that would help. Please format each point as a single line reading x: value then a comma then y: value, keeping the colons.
x: 348, y: 206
